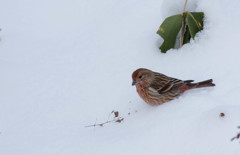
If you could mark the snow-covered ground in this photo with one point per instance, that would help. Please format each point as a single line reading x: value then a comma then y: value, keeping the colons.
x: 67, y: 64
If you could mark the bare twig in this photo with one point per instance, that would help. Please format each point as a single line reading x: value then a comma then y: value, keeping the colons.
x: 185, y: 5
x: 116, y: 119
x: 183, y: 28
x: 183, y: 24
x: 236, y: 137
x: 101, y: 124
x: 119, y: 120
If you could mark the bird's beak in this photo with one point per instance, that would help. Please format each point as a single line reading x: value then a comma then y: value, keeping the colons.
x: 134, y: 82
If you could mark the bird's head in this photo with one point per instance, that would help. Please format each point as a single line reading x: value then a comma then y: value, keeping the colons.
x: 142, y: 77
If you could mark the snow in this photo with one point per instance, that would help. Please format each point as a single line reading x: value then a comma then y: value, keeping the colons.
x: 67, y: 64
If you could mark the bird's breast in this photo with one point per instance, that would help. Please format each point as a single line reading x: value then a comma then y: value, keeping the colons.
x: 141, y: 92
x: 152, y: 97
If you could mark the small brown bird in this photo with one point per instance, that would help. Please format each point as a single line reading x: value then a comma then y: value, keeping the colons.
x: 156, y: 88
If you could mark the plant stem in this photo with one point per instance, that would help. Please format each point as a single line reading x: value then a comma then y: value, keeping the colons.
x: 185, y: 5
x: 182, y: 31
x: 183, y: 24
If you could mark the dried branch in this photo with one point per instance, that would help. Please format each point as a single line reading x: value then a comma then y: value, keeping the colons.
x: 116, y: 119
x: 185, y: 5
x: 183, y: 24
x: 183, y: 28
x: 237, y: 136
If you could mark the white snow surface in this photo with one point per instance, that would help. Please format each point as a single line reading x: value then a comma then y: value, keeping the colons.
x: 66, y: 64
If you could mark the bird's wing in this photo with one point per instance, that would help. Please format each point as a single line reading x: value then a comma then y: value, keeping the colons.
x: 166, y: 88
x: 163, y: 83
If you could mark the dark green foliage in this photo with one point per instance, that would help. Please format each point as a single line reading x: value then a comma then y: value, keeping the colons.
x: 169, y: 31
x: 194, y: 21
x: 171, y: 26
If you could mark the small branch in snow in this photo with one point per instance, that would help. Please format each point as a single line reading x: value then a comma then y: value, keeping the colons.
x: 237, y: 136
x: 119, y: 120
x: 116, y: 119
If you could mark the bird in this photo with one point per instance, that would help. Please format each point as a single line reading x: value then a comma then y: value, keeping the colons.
x: 156, y: 88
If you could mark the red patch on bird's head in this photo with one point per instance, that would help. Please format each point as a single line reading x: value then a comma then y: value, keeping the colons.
x: 142, y: 76
x: 137, y: 73
x: 140, y: 72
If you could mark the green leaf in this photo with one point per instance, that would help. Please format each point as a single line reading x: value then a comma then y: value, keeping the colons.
x: 194, y: 20
x: 187, y: 36
x: 169, y: 30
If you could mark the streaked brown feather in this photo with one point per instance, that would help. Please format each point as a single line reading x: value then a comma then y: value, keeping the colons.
x: 163, y: 83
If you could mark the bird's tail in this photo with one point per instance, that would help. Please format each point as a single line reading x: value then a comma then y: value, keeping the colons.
x: 189, y: 85
x: 207, y: 83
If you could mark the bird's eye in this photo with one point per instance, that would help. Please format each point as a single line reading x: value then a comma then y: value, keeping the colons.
x: 140, y: 77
